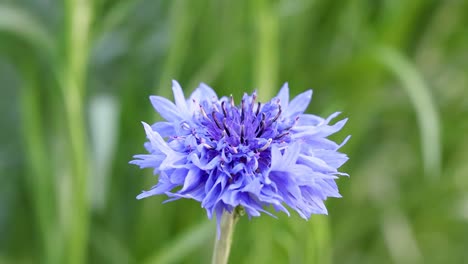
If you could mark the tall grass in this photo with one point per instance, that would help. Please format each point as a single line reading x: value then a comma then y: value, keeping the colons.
x: 75, y: 79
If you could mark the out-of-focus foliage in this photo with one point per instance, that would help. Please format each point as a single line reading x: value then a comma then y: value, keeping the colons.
x: 75, y: 77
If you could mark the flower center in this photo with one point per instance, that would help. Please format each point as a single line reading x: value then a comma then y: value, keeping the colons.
x: 243, y: 134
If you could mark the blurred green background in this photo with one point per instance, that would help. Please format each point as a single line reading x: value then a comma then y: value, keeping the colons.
x: 75, y: 77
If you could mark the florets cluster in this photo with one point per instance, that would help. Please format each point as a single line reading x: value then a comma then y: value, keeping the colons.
x: 251, y: 155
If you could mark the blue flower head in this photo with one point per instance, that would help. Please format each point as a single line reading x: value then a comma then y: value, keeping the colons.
x: 250, y: 155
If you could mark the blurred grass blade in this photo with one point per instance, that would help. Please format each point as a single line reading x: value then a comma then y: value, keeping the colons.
x: 399, y: 237
x: 103, y: 135
x: 78, y: 26
x: 420, y: 97
x: 182, y: 246
x: 212, y: 68
x: 318, y: 246
x: 183, y: 19
x: 116, y: 15
x: 39, y: 176
x: 109, y: 247
x: 18, y: 22
x: 266, y: 60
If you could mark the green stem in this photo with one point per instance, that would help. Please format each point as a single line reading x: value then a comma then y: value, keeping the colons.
x: 223, y: 242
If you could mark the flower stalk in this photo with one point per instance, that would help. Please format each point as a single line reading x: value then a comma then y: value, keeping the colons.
x: 223, y: 242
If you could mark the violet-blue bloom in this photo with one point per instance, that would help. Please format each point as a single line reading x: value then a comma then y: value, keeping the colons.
x: 251, y: 154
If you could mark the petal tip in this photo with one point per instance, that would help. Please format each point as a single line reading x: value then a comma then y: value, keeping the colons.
x: 141, y: 196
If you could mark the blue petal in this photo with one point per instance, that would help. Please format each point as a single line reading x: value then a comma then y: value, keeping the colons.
x: 215, y: 193
x: 284, y: 162
x: 165, y: 108
x: 157, y: 142
x: 204, y: 93
x: 148, y: 160
x: 318, y: 143
x: 344, y: 141
x: 275, y: 157
x: 329, y: 130
x: 309, y: 120
x: 179, y: 97
x: 160, y: 146
x: 289, y: 190
x: 254, y: 187
x: 299, y: 104
x: 330, y: 118
x: 291, y: 154
x: 286, y: 184
x: 319, y: 131
x: 160, y: 188
x: 198, y: 193
x: 178, y: 176
x: 329, y: 188
x: 303, y: 175
x: 165, y: 129
x: 316, y: 164
x: 204, y: 166
x: 192, y: 180
x: 333, y: 158
x: 283, y: 95
x: 315, y: 200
